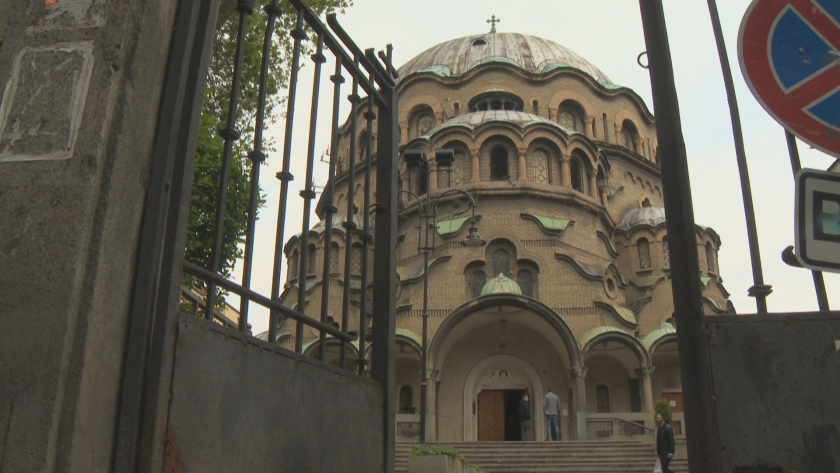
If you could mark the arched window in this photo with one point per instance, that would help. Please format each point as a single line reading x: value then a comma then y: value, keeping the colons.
x: 477, y: 282
x: 566, y: 119
x: 458, y: 169
x: 310, y: 264
x: 501, y: 263
x: 421, y: 121
x: 627, y: 139
x: 576, y: 171
x: 422, y: 182
x: 602, y: 393
x: 499, y: 164
x: 666, y: 253
x: 643, y: 247
x: 356, y: 260
x: 526, y: 282
x: 361, y: 145
x: 334, y: 258
x: 710, y: 258
x: 425, y: 124
x: 405, y: 400
x: 542, y: 171
x: 293, y: 264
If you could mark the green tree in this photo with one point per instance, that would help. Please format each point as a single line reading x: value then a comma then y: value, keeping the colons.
x: 663, y: 406
x: 214, y: 117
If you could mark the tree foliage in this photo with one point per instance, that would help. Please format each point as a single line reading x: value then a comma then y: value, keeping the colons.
x: 214, y: 117
x: 663, y: 406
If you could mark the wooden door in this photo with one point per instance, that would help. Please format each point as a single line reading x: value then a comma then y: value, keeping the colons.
x: 491, y: 415
x: 675, y: 399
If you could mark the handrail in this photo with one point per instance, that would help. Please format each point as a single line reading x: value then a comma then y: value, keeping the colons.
x: 595, y: 419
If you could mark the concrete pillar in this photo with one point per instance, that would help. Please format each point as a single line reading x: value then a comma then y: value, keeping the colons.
x: 593, y: 185
x: 587, y: 125
x: 403, y: 133
x: 83, y: 85
x: 523, y: 166
x: 476, y: 165
x: 578, y: 374
x: 644, y: 375
x: 433, y: 179
x: 405, y: 179
x: 565, y: 171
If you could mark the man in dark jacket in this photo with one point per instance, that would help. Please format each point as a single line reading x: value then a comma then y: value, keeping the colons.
x: 525, y: 420
x: 664, y: 443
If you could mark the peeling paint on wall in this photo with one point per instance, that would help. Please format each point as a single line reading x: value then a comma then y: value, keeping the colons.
x: 52, y: 14
x: 44, y: 101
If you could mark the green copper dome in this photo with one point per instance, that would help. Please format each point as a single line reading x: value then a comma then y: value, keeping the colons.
x: 501, y: 284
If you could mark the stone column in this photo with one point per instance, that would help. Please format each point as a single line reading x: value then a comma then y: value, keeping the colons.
x: 404, y: 177
x: 565, y: 171
x: 593, y: 185
x: 587, y: 125
x: 644, y: 375
x: 578, y: 374
x: 476, y: 165
x: 433, y: 178
x: 638, y: 144
x: 403, y: 133
x: 602, y: 193
x: 523, y: 166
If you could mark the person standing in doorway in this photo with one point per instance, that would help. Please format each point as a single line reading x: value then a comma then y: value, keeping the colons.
x: 525, y: 420
x: 551, y: 408
x: 664, y: 443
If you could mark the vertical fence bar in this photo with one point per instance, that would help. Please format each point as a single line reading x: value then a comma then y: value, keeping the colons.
x: 308, y: 193
x: 329, y: 208
x: 385, y: 266
x: 229, y: 133
x: 695, y: 368
x: 819, y: 282
x: 759, y: 290
x: 349, y: 223
x: 257, y: 158
x: 285, y: 176
x: 366, y: 237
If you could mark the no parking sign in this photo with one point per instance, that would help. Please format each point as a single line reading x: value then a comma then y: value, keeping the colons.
x: 789, y: 52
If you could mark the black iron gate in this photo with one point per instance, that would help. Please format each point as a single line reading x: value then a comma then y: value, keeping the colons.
x: 157, y: 289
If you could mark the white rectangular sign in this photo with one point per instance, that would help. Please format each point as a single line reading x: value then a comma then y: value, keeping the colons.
x: 818, y: 220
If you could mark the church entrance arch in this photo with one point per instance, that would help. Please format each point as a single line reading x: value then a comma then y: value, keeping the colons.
x: 491, y: 379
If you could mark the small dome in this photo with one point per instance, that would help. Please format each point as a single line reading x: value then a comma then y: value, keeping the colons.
x: 663, y: 330
x: 652, y: 216
x: 501, y: 284
x: 536, y: 55
x: 474, y: 119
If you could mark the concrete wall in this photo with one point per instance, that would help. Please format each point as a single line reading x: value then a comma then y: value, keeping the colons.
x: 82, y: 84
x: 239, y: 404
x: 777, y: 382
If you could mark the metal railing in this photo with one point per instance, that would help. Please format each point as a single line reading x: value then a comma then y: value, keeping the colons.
x: 611, y: 426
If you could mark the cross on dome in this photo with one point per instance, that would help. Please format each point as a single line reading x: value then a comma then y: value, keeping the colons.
x: 493, y: 20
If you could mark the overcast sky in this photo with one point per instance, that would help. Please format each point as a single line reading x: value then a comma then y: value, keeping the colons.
x: 609, y: 34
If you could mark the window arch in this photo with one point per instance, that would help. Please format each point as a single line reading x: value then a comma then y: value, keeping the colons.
x: 542, y: 167
x: 628, y: 135
x: 666, y: 253
x: 501, y: 263
x: 602, y: 393
x: 334, y: 258
x: 643, y: 247
x: 421, y: 122
x: 477, y: 281
x: 576, y: 174
x: 710, y: 258
x: 525, y: 279
x: 406, y: 400
x: 496, y: 100
x: 422, y: 182
x: 458, y: 168
x: 310, y: 264
x: 499, y: 169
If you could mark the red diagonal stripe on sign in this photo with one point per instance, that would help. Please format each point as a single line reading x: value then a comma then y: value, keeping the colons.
x: 819, y: 20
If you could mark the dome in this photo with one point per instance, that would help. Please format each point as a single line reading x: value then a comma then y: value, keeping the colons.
x: 536, y: 55
x: 652, y: 216
x: 501, y: 284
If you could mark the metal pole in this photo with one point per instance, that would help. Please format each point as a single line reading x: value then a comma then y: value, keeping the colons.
x: 759, y: 290
x: 427, y: 215
x: 701, y: 425
x: 819, y: 282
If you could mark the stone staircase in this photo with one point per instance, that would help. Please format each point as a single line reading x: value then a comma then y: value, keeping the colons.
x: 566, y: 457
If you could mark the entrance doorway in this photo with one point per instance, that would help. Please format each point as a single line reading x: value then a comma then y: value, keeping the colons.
x: 498, y: 416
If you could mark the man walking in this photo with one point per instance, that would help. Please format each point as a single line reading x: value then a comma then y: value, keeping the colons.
x: 525, y: 420
x: 664, y: 443
x: 551, y: 407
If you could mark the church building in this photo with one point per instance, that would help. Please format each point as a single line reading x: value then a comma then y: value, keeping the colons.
x: 571, y: 291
